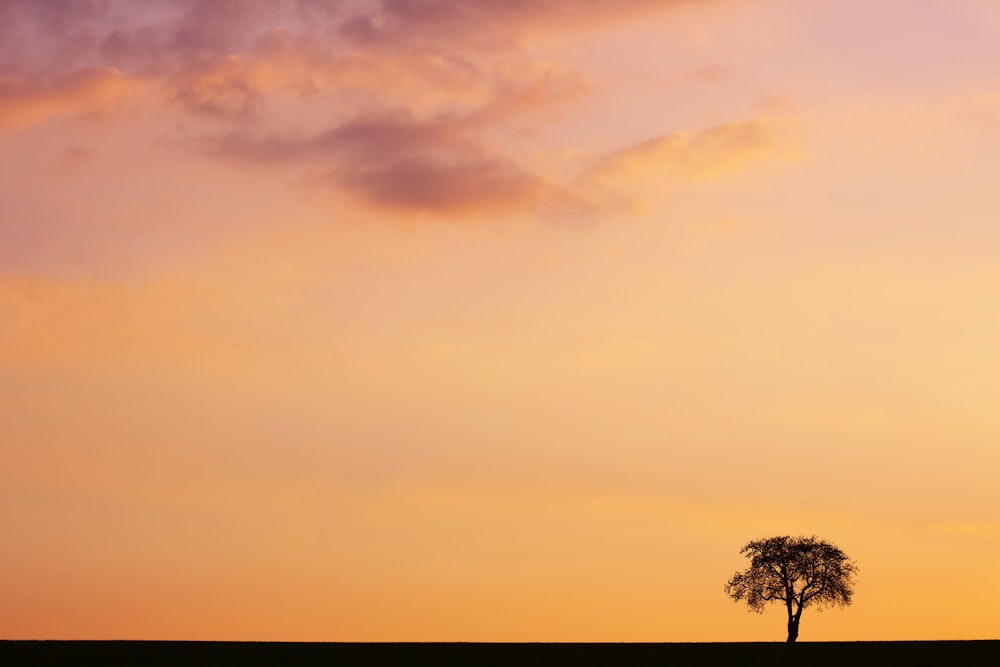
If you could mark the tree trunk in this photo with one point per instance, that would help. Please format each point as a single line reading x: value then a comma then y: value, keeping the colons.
x: 793, y: 630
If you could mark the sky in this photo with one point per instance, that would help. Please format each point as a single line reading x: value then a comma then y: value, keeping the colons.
x: 507, y: 320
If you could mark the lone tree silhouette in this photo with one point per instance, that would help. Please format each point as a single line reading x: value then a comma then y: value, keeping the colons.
x: 796, y: 571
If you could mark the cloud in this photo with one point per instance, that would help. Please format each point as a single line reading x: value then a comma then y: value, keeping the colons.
x: 218, y: 27
x: 157, y: 38
x: 216, y: 86
x: 95, y: 90
x: 132, y: 33
x: 419, y: 140
x: 224, y: 58
x: 712, y: 73
x: 490, y: 23
x: 75, y: 157
x: 396, y: 161
x: 474, y: 187
x: 362, y: 140
x: 533, y: 87
x: 441, y: 166
x: 704, y: 155
x: 50, y: 31
x: 423, y: 94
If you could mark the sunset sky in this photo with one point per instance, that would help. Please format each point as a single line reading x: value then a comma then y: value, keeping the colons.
x: 496, y: 320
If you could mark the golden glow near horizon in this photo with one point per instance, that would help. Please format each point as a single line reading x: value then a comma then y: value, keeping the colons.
x: 495, y: 321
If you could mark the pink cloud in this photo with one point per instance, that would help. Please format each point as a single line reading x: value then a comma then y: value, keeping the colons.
x: 486, y: 186
x: 74, y: 159
x: 712, y: 73
x: 488, y: 22
x: 95, y: 90
x: 696, y: 156
x: 156, y: 38
x: 396, y: 161
x: 426, y: 98
x: 217, y: 86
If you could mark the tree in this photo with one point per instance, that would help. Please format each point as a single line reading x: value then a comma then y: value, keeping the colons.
x: 795, y: 571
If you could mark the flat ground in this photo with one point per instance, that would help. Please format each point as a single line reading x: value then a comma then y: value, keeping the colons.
x: 273, y: 653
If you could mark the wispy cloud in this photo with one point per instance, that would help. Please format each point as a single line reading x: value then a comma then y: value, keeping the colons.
x: 489, y: 22
x: 397, y: 161
x: 217, y: 86
x: 702, y: 155
x: 96, y: 90
x: 397, y: 104
x: 712, y: 73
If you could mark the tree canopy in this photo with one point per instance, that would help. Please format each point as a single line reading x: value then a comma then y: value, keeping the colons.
x: 796, y: 572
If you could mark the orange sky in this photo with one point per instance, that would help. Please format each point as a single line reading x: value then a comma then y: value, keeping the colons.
x: 495, y: 321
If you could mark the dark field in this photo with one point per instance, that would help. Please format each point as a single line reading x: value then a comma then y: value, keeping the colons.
x: 270, y: 653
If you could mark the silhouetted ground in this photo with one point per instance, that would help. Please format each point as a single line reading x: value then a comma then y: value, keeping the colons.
x: 271, y: 653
